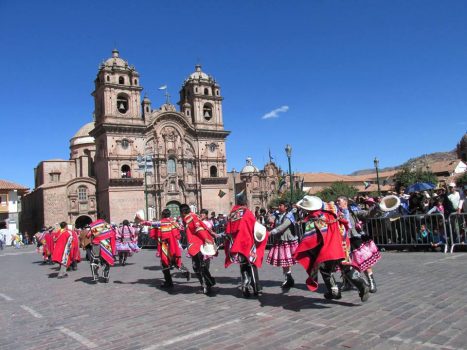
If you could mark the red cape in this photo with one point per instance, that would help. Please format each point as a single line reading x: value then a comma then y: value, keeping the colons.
x: 196, y: 233
x: 240, y: 239
x: 75, y: 253
x: 62, y: 247
x: 104, y: 235
x: 167, y: 236
x: 323, y: 240
x: 48, y: 243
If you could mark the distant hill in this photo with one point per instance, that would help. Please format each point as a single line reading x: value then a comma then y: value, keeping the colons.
x: 422, y: 161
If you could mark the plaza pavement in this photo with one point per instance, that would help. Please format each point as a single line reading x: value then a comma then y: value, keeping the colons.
x: 421, y: 303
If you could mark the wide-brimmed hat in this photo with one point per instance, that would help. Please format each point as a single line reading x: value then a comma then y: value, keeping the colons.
x: 208, y: 249
x: 452, y: 184
x: 310, y: 203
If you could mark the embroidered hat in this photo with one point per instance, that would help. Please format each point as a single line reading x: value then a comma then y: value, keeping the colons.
x: 310, y: 203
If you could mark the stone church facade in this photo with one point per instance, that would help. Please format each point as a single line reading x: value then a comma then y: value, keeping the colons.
x: 185, y: 149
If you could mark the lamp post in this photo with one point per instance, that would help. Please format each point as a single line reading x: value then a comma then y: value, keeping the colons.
x: 145, y: 162
x: 234, y: 173
x: 288, y: 151
x: 376, y: 163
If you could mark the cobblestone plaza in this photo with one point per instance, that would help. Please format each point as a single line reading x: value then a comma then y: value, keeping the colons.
x: 420, y: 304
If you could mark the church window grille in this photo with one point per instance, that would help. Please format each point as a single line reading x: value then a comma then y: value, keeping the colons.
x: 171, y: 166
x: 55, y: 177
x: 122, y: 103
x: 82, y: 193
x: 125, y: 143
x: 207, y: 111
x: 126, y: 172
x: 213, y: 171
x: 121, y: 80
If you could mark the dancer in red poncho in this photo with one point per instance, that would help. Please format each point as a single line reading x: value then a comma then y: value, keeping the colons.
x: 323, y: 247
x: 241, y: 247
x: 103, y: 249
x: 63, y: 239
x: 197, y: 235
x: 167, y: 235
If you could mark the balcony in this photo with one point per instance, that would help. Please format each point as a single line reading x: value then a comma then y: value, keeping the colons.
x: 214, y: 180
x: 126, y: 182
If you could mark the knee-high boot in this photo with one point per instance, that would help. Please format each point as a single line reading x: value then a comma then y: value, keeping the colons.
x: 359, y: 282
x: 246, y: 279
x: 167, y: 277
x: 254, y: 278
x: 371, y: 280
x: 333, y: 291
x: 106, y: 272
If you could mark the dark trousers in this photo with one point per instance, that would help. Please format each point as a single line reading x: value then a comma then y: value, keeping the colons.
x: 201, y: 268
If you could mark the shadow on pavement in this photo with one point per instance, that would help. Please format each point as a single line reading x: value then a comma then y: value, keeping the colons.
x: 299, y: 302
x: 87, y: 280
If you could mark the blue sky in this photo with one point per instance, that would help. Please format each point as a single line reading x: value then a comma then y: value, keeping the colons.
x: 344, y: 81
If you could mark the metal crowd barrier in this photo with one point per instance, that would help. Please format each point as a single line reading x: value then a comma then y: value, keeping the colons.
x: 409, y: 231
x: 457, y: 229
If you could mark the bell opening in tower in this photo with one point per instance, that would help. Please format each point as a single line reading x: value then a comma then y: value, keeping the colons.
x: 122, y: 103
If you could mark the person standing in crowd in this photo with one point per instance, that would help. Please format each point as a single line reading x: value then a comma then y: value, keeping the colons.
x: 167, y: 235
x: 63, y: 239
x: 126, y: 242
x: 198, y: 235
x: 364, y: 253
x: 281, y: 253
x: 241, y: 247
x: 103, y: 249
x: 323, y: 248
x: 75, y: 254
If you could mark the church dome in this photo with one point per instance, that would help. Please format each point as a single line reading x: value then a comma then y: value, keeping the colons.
x: 198, y: 74
x: 115, y: 60
x: 82, y: 135
x: 249, y: 167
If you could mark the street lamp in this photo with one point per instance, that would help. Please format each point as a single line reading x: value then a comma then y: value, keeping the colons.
x: 145, y: 162
x: 288, y: 151
x: 234, y: 173
x: 376, y: 163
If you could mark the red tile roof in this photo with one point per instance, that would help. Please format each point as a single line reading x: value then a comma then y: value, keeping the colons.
x: 7, y: 185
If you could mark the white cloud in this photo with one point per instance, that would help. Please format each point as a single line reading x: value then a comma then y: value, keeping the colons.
x: 275, y: 113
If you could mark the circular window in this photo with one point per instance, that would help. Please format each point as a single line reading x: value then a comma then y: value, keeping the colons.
x: 125, y: 143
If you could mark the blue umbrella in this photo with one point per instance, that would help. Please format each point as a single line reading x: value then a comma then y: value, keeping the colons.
x: 419, y: 187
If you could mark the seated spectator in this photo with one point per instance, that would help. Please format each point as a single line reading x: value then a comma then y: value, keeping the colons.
x: 424, y: 236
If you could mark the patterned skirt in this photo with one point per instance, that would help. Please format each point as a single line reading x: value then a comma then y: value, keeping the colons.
x: 123, y: 247
x: 281, y: 254
x: 366, y: 255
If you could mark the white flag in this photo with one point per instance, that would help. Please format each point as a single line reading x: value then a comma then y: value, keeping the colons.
x: 163, y: 87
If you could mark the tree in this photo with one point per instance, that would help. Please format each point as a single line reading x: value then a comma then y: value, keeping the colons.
x: 406, y: 177
x: 297, y: 195
x: 462, y: 180
x: 335, y: 190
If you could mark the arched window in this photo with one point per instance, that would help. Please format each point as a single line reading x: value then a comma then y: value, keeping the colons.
x: 121, y: 80
x: 172, y: 187
x: 196, y: 90
x: 122, y: 103
x: 171, y: 166
x: 206, y: 91
x: 147, y: 109
x: 213, y: 171
x: 136, y: 81
x: 207, y: 111
x: 108, y: 78
x: 189, y: 166
x: 82, y: 193
x: 217, y: 92
x: 126, y: 172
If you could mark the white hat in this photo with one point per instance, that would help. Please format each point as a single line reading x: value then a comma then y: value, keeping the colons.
x: 259, y: 232
x: 208, y: 249
x: 310, y: 203
x: 452, y: 184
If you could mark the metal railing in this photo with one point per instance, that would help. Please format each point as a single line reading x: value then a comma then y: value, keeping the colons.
x: 457, y: 225
x: 427, y: 231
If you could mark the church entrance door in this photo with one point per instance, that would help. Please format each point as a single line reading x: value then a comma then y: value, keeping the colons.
x: 82, y: 221
x: 174, y: 208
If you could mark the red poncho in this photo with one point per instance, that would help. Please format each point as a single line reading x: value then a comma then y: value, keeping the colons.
x: 62, y: 248
x: 104, y: 235
x: 196, y: 233
x: 48, y: 243
x: 323, y: 239
x: 75, y: 253
x: 167, y: 236
x: 240, y: 237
